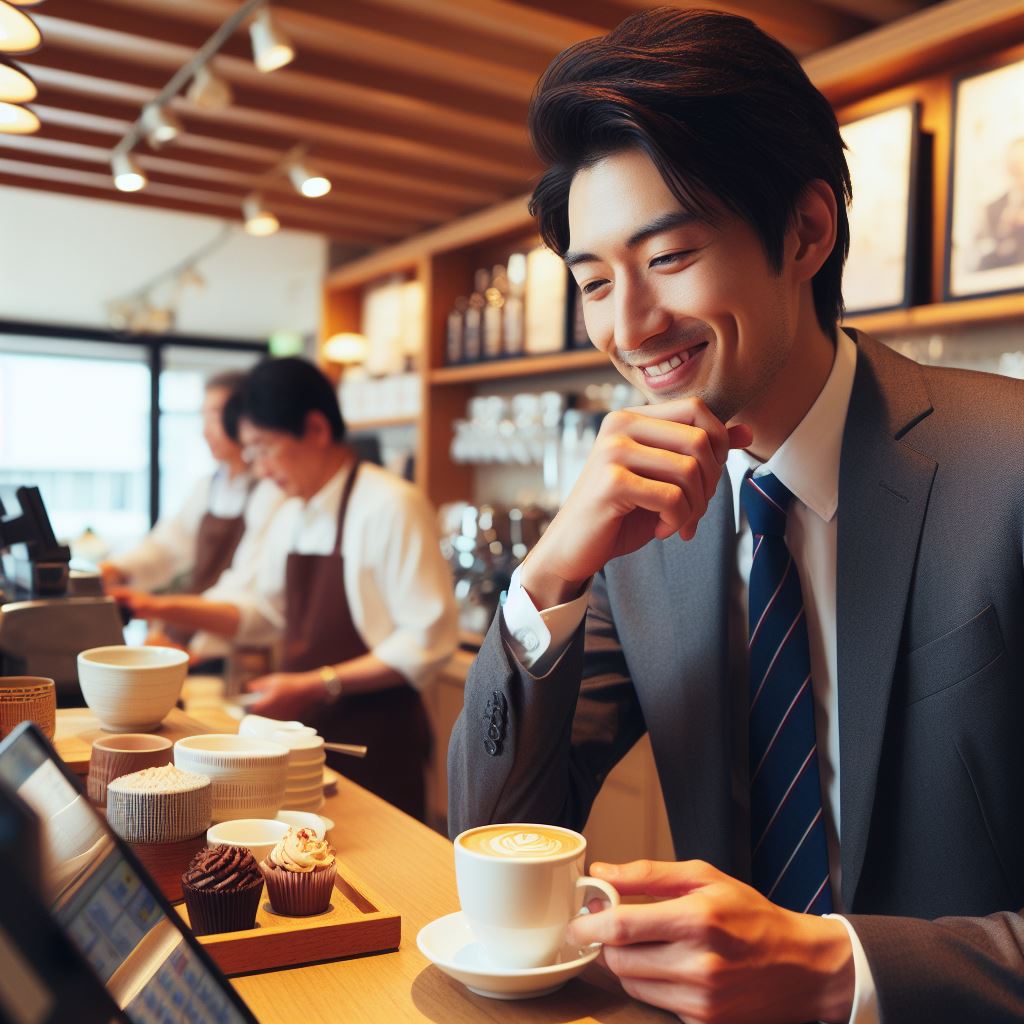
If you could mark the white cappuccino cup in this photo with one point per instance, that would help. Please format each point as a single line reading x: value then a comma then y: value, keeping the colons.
x: 520, y: 885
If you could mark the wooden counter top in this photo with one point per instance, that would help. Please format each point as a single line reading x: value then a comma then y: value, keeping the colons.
x: 411, y: 867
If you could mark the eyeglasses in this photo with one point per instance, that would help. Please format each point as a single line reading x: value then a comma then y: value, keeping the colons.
x: 258, y: 451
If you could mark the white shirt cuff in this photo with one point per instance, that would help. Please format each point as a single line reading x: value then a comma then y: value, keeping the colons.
x: 865, y: 997
x: 537, y: 638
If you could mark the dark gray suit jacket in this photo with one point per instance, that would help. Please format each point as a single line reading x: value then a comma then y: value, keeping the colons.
x: 930, y: 636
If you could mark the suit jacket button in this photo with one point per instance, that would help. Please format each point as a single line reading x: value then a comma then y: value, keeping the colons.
x: 492, y: 748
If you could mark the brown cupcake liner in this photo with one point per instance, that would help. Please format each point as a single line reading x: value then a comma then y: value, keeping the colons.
x: 212, y: 912
x: 299, y: 893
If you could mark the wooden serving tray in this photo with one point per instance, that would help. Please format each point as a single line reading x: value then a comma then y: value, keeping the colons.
x: 357, y: 922
x: 78, y: 727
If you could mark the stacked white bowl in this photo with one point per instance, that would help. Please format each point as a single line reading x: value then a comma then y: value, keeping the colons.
x: 304, y: 784
x: 248, y: 774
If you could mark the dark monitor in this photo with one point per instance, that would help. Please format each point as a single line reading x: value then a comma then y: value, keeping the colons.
x: 39, y: 564
x: 107, y: 906
x: 44, y: 979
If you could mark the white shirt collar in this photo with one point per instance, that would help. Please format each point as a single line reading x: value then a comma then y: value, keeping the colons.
x: 807, y: 462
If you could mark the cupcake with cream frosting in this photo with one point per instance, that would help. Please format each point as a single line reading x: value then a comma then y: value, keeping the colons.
x: 300, y: 873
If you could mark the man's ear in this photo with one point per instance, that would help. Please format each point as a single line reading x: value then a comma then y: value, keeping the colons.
x: 317, y: 429
x: 811, y: 235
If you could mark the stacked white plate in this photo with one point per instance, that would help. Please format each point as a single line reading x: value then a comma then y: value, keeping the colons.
x: 304, y: 783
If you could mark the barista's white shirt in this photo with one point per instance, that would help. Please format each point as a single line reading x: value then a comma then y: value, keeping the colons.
x: 168, y: 550
x: 808, y: 464
x: 397, y: 583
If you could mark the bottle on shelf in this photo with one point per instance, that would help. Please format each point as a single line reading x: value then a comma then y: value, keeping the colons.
x: 514, y: 325
x: 546, y: 296
x: 494, y: 317
x: 454, y: 346
x: 472, y: 335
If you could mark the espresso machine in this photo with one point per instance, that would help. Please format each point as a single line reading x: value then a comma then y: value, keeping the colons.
x: 49, y: 612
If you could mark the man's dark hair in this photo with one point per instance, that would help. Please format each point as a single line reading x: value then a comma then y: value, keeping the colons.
x: 723, y: 111
x: 278, y: 394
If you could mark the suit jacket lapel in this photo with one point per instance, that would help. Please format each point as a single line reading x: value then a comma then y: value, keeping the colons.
x: 695, y: 708
x: 884, y: 486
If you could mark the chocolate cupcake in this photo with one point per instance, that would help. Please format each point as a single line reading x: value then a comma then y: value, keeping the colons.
x: 300, y: 873
x: 222, y: 889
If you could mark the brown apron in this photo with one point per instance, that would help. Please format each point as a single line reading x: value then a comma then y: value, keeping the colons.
x: 217, y: 540
x: 392, y: 723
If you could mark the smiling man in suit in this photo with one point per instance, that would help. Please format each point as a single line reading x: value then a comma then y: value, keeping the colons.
x: 798, y: 568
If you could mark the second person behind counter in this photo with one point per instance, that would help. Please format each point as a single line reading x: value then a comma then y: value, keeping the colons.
x: 352, y: 581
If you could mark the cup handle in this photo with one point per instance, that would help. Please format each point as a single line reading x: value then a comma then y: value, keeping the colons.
x: 606, y: 889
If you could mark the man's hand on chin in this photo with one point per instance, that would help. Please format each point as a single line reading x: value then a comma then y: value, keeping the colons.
x: 713, y: 949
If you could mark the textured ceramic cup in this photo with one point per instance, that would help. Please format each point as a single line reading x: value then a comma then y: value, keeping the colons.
x: 248, y: 774
x: 28, y: 698
x: 131, y: 689
x: 114, y: 756
x: 258, y: 835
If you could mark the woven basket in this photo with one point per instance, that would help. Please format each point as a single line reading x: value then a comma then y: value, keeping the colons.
x: 140, y: 817
x: 28, y: 698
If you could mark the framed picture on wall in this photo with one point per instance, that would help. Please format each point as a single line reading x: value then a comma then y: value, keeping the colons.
x: 882, y: 154
x: 985, y: 226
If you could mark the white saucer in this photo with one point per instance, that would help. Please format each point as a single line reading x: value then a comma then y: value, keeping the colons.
x: 305, y: 819
x: 449, y: 945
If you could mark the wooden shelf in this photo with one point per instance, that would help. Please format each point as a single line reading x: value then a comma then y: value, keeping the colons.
x: 942, y: 315
x: 531, y: 366
x: 362, y: 426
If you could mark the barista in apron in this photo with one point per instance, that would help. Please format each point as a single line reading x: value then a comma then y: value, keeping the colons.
x: 319, y: 632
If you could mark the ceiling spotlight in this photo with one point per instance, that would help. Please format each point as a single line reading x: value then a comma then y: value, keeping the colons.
x: 271, y: 48
x: 160, y: 125
x: 128, y: 177
x: 15, y: 120
x: 15, y: 84
x: 259, y: 220
x: 208, y: 91
x: 18, y: 32
x: 308, y: 182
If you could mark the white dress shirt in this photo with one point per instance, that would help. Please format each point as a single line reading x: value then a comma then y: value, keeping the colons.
x: 169, y: 549
x: 397, y: 583
x: 808, y: 464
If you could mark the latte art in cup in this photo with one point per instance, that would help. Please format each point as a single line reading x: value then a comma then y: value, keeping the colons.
x: 517, y: 843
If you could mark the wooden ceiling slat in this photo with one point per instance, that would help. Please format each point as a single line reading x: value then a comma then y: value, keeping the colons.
x: 351, y: 42
x: 59, y: 108
x: 213, y: 193
x: 152, y: 62
x: 800, y: 24
x: 106, y: 35
x: 287, y: 128
x: 541, y: 31
x: 19, y: 174
x: 877, y: 11
x: 82, y: 147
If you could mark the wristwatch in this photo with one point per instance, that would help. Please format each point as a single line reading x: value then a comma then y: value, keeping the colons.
x: 332, y: 684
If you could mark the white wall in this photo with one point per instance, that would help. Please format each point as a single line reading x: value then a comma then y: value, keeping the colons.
x: 62, y: 258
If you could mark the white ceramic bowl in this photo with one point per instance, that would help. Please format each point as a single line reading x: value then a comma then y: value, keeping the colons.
x: 258, y: 835
x: 248, y: 774
x: 304, y: 819
x: 131, y: 689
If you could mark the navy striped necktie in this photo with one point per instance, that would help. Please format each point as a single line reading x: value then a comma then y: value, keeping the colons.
x: 789, y: 852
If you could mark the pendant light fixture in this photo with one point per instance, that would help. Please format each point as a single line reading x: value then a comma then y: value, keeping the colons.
x: 16, y: 85
x: 128, y: 176
x: 16, y: 120
x: 259, y: 221
x: 208, y: 91
x: 18, y: 32
x: 271, y: 48
x: 160, y: 125
x: 307, y: 181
